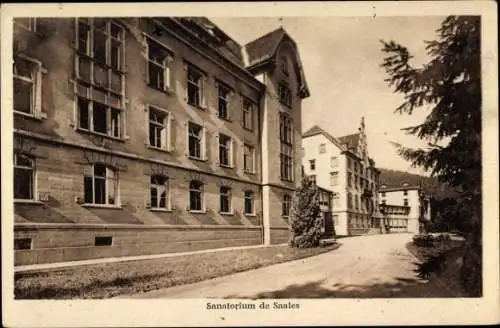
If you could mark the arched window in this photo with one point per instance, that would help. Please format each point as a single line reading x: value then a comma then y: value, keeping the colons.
x: 159, y: 192
x: 249, y: 202
x: 24, y: 177
x: 195, y: 195
x: 101, y: 186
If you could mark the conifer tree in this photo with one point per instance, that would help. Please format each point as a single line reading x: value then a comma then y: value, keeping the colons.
x: 306, y: 222
x: 449, y: 85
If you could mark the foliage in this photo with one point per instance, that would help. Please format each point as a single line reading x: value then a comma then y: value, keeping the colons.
x: 306, y: 222
x: 423, y: 240
x: 449, y: 85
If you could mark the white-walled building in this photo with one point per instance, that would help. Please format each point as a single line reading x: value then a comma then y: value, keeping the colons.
x: 404, y: 208
x: 342, y: 165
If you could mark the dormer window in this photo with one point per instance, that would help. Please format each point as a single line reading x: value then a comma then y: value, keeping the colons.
x: 284, y: 65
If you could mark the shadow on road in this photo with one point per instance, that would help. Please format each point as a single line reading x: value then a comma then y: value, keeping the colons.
x: 400, y: 288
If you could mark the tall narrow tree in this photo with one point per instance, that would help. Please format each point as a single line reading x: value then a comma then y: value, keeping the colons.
x: 449, y: 85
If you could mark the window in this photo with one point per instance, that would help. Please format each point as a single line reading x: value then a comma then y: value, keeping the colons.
x: 356, y: 202
x: 249, y: 203
x: 349, y: 200
x: 225, y: 199
x: 195, y: 196
x: 196, y: 140
x: 336, y: 220
x: 312, y: 164
x: 22, y: 244
x: 24, y: 177
x: 334, y: 178
x: 349, y: 179
x: 336, y: 200
x: 223, y: 101
x: 356, y: 182
x: 248, y: 159
x: 286, y: 205
x: 322, y: 148
x: 334, y: 162
x: 29, y: 23
x: 194, y: 86
x: 27, y: 86
x: 159, y: 128
x: 98, y: 70
x: 103, y: 241
x: 225, y: 150
x: 383, y: 193
x: 248, y: 112
x: 101, y: 186
x: 405, y: 202
x: 286, y: 152
x: 312, y: 178
x: 158, y: 192
x: 405, y: 193
x: 158, y: 69
x: 383, y: 201
x: 285, y: 94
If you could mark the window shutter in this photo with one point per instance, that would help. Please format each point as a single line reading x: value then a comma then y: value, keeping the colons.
x: 187, y: 138
x: 146, y: 118
x: 38, y: 91
x: 171, y: 132
x: 167, y: 75
x: 205, y: 143
x: 145, y: 53
x: 217, y: 157
x: 203, y: 92
x: 234, y: 152
x: 185, y: 66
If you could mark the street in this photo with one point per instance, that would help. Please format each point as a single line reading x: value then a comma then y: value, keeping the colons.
x: 364, y: 267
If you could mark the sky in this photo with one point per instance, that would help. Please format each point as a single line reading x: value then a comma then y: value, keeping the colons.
x: 341, y: 57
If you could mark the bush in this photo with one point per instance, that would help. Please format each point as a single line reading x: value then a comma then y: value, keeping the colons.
x: 306, y: 222
x: 423, y: 240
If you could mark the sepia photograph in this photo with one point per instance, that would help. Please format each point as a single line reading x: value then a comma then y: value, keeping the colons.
x: 249, y: 164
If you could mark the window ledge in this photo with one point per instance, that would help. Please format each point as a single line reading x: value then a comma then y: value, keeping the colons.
x: 251, y: 215
x: 197, y: 159
x: 166, y: 210
x: 168, y: 91
x: 248, y: 129
x: 28, y: 201
x: 198, y: 211
x: 37, y: 117
x: 227, y: 119
x: 226, y: 213
x: 97, y: 134
x: 250, y: 172
x: 226, y: 166
x: 168, y: 151
x: 197, y: 106
x: 111, y: 207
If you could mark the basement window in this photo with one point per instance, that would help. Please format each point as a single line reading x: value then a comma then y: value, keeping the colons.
x: 103, y: 241
x: 22, y: 244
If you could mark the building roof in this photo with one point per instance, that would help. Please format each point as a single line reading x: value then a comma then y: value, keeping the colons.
x: 264, y: 48
x: 315, y: 130
x: 351, y: 140
x: 397, y: 188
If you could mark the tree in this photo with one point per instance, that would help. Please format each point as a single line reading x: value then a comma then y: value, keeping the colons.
x: 449, y: 85
x: 306, y: 222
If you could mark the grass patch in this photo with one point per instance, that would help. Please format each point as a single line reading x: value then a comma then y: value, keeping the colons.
x: 107, y: 280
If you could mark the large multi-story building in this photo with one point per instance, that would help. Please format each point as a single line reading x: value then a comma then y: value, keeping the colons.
x: 342, y: 165
x: 150, y: 135
x: 404, y: 208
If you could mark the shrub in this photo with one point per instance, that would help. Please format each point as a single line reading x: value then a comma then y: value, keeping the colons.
x: 423, y: 240
x: 306, y: 222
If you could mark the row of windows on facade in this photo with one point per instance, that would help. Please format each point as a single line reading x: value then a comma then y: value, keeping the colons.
x: 358, y: 203
x: 359, y: 182
x: 356, y: 221
x: 101, y: 187
x: 99, y: 66
x: 405, y: 193
x: 100, y: 93
x: 405, y: 202
x: 333, y: 163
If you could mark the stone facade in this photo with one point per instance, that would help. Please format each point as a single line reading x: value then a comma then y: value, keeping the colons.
x: 97, y: 91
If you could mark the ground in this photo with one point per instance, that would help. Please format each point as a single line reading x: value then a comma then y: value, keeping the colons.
x: 364, y: 266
